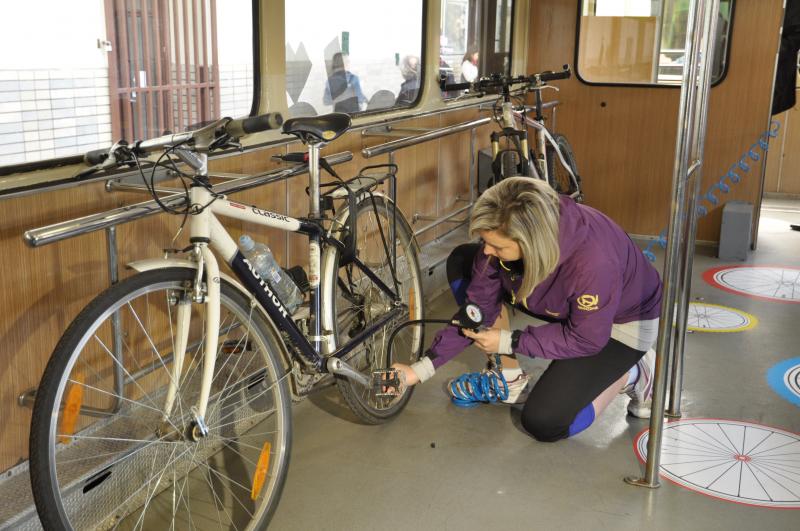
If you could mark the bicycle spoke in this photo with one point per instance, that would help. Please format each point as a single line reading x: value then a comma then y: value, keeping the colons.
x: 151, y: 494
x: 133, y: 380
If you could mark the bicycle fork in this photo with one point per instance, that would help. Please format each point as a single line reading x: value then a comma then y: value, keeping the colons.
x: 207, y: 266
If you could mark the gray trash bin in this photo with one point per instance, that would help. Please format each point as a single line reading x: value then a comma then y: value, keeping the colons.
x: 734, y: 234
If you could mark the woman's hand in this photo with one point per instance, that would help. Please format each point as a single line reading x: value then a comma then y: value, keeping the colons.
x: 411, y: 377
x: 486, y: 340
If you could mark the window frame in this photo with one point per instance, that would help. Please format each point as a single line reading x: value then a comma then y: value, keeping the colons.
x: 57, y: 162
x: 722, y: 77
x: 422, y: 56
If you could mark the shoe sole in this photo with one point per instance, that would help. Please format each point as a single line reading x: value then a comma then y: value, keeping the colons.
x: 640, y: 412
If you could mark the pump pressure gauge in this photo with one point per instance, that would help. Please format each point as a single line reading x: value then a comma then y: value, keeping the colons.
x: 469, y: 316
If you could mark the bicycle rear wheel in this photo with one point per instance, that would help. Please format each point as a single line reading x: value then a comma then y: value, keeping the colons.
x: 351, y: 301
x: 559, y: 177
x: 104, y: 450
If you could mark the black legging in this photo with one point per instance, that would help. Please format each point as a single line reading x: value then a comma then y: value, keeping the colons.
x: 567, y: 386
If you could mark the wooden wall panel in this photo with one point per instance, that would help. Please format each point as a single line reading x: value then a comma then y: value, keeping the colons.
x: 43, y: 289
x: 624, y: 137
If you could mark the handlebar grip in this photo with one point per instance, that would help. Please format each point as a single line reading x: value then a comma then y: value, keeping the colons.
x: 455, y: 86
x: 95, y: 157
x: 253, y: 124
x: 552, y: 76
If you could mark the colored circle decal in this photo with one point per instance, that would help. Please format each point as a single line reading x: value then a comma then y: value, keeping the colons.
x: 772, y: 283
x: 784, y: 378
x: 731, y: 460
x: 705, y: 317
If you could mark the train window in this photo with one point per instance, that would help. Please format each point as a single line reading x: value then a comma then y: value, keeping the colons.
x: 641, y: 41
x: 127, y: 69
x: 475, y: 39
x: 352, y: 56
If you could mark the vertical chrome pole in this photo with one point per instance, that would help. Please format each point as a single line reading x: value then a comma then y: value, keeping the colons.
x: 695, y: 180
x: 393, y: 197
x: 116, y: 326
x: 473, y: 170
x: 670, y: 275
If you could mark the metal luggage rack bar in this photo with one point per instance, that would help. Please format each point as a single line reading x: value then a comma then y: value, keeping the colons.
x: 19, y: 184
x: 111, y: 218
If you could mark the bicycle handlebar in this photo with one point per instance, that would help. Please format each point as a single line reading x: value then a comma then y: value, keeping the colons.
x: 254, y: 124
x: 454, y: 86
x: 566, y: 73
x: 215, y: 135
x: 95, y: 157
x: 504, y: 82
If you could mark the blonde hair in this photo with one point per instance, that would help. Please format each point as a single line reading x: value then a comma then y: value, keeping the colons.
x: 525, y: 210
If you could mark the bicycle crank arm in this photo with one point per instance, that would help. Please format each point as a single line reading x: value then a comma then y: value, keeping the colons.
x: 340, y: 368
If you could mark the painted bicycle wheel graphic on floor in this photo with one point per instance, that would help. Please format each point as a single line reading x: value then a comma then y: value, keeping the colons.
x: 772, y: 283
x: 784, y: 378
x: 705, y: 317
x: 742, y: 462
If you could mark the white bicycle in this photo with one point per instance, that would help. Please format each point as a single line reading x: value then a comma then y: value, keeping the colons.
x: 166, y: 402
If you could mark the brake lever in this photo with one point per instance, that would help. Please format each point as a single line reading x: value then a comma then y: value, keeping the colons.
x: 225, y: 142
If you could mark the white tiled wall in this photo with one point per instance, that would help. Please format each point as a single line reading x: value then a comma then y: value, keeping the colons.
x: 236, y: 89
x: 57, y: 113
x: 52, y: 113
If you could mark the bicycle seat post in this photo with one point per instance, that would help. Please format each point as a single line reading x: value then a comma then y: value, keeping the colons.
x: 314, y: 239
x: 313, y: 179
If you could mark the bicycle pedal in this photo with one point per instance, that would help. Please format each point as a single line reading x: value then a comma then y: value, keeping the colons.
x: 388, y: 382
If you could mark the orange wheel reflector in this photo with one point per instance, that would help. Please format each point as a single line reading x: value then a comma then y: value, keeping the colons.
x: 261, y: 471
x: 72, y: 409
x: 411, y: 304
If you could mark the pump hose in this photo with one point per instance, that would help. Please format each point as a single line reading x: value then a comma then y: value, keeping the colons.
x: 469, y: 389
x: 472, y: 388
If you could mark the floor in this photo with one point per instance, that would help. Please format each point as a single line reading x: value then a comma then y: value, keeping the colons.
x: 440, y: 467
x: 437, y: 466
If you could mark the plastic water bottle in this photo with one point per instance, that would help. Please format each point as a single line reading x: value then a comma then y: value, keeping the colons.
x: 260, y: 256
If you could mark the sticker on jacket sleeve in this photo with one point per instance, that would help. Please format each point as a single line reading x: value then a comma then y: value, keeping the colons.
x: 588, y: 303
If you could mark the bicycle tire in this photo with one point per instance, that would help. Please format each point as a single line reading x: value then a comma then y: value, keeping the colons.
x: 110, y: 470
x: 557, y: 175
x: 508, y: 164
x: 351, y: 302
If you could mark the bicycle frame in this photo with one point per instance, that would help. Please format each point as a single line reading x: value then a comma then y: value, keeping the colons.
x: 207, y: 233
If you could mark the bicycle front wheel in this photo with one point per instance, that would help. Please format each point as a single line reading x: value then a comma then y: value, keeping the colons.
x: 107, y: 451
x: 352, y: 301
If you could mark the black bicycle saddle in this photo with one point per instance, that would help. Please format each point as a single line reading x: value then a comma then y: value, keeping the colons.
x: 317, y: 128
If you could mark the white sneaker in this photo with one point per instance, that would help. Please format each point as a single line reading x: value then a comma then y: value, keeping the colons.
x: 518, y: 389
x: 641, y: 391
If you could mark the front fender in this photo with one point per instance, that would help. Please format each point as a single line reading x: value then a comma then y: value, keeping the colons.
x: 160, y: 263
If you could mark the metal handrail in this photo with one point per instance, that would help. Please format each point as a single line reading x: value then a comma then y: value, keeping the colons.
x: 75, y: 227
x: 111, y: 218
x: 394, y: 145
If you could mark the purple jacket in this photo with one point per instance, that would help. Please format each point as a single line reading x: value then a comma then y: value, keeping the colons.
x: 602, y: 278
